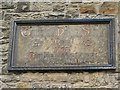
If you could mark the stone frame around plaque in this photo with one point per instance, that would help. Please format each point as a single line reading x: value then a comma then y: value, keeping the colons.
x: 111, y: 44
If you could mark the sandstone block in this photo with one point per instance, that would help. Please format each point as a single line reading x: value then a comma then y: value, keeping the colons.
x: 3, y: 24
x: 23, y: 85
x: 58, y: 85
x: 109, y: 8
x: 86, y: 78
x: 87, y: 9
x: 4, y: 47
x: 8, y: 4
x: 58, y: 76
x: 40, y: 6
x: 9, y: 78
x: 72, y: 13
x: 58, y: 8
x: 4, y: 70
x: 1, y: 34
x: 55, y: 15
x: 4, y: 41
x: 4, y: 59
x: 22, y: 6
x: 74, y: 77
x: 3, y: 85
x: 80, y: 84
x: 27, y: 77
x: 1, y: 14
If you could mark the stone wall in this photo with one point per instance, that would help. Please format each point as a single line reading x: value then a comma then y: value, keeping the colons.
x: 10, y: 11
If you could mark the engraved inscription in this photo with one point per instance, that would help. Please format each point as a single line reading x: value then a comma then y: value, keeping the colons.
x: 62, y: 45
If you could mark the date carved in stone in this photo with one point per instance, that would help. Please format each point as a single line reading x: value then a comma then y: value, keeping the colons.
x: 64, y: 44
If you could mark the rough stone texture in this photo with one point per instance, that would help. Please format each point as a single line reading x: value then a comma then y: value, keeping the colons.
x: 40, y: 6
x: 89, y: 9
x: 22, y: 6
x: 49, y: 10
x: 7, y: 5
x: 110, y: 8
x: 72, y: 10
x: 58, y: 7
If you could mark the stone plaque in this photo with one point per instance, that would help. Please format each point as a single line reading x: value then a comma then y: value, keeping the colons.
x: 70, y: 44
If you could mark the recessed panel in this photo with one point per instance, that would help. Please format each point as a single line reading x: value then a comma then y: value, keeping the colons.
x: 46, y: 45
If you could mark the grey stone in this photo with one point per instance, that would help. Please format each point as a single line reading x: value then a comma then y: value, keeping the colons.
x: 4, y: 59
x: 72, y: 13
x: 10, y: 78
x: 3, y: 85
x: 22, y: 6
x: 4, y: 70
x: 4, y: 47
x: 58, y: 8
x: 40, y: 6
x: 4, y: 41
x: 35, y: 85
x: 8, y: 4
x: 1, y: 34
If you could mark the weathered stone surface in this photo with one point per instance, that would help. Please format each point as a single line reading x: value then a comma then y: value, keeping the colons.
x: 23, y: 85
x: 4, y: 41
x: 77, y: 84
x: 4, y: 59
x: 28, y: 77
x: 71, y: 11
x: 22, y: 6
x: 35, y: 85
x: 9, y: 17
x: 58, y: 8
x: 3, y: 85
x: 28, y: 16
x: 46, y: 50
x: 58, y: 76
x: 86, y: 78
x: 6, y: 33
x: 89, y: 1
x: 56, y: 14
x: 7, y: 4
x: 75, y: 77
x: 11, y: 78
x: 87, y: 9
x: 40, y: 6
x: 4, y: 47
x: 3, y: 23
x: 4, y: 70
x: 97, y: 79
x: 1, y: 14
x: 3, y: 53
x: 109, y: 8
x: 1, y: 34
x: 59, y: 85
